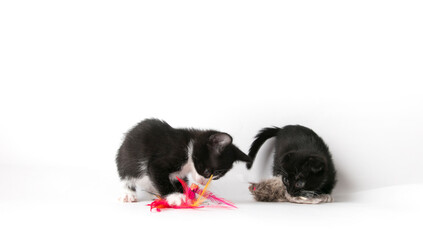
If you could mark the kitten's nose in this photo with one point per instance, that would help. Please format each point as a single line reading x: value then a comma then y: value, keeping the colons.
x: 203, y: 181
x: 207, y: 173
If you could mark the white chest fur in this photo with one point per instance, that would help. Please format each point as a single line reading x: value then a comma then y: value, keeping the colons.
x: 188, y: 168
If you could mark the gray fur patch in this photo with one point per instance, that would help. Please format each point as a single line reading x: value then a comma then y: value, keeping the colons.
x: 273, y: 190
x: 270, y: 190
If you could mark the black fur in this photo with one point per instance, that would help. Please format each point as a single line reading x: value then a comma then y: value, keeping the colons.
x: 302, y: 160
x: 163, y: 150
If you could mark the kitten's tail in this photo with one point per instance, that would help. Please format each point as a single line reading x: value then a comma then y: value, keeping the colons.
x: 261, y: 137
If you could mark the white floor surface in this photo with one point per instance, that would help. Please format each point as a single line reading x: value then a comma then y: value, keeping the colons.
x: 73, y: 203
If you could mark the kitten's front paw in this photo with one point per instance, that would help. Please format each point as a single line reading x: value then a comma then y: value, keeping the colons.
x: 128, y: 197
x: 175, y: 199
x: 324, y: 198
x: 306, y: 200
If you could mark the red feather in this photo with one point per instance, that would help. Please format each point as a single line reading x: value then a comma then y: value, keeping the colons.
x: 190, y: 199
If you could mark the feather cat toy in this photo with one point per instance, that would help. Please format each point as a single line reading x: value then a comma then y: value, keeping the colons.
x: 273, y: 190
x: 191, y: 201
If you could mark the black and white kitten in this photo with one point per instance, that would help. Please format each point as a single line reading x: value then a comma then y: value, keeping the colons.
x: 153, y: 154
x: 302, y: 162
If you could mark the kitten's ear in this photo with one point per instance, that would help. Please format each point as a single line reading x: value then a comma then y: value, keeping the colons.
x: 219, y: 141
x: 316, y: 164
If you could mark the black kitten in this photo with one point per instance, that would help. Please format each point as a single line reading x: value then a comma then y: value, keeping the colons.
x: 153, y: 154
x: 302, y: 160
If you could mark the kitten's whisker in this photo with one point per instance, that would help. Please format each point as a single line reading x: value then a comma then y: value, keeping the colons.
x: 222, y: 169
x: 219, y: 171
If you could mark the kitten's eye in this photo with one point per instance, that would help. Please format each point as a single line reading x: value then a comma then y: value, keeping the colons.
x: 299, y: 184
x: 285, y: 180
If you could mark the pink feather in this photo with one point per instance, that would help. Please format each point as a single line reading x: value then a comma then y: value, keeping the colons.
x: 190, y: 198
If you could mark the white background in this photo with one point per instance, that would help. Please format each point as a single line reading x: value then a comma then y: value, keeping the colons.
x: 76, y: 75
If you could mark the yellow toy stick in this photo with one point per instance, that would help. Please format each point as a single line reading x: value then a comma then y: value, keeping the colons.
x: 200, y: 199
x: 190, y: 198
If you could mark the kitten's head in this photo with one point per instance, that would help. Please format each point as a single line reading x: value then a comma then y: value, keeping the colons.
x: 305, y: 174
x: 214, y: 154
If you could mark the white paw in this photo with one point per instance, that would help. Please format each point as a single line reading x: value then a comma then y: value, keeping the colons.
x: 324, y: 198
x: 327, y: 198
x: 128, y: 197
x: 175, y: 199
x: 307, y: 200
